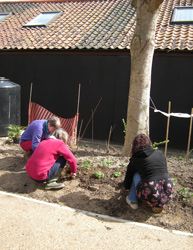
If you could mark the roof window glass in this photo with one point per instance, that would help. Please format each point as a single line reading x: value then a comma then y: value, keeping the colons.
x: 44, y: 18
x: 182, y: 15
x: 4, y: 15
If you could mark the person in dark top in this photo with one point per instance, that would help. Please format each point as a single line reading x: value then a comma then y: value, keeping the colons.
x: 147, y: 176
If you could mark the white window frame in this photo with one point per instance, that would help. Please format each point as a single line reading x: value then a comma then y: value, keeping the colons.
x: 4, y: 15
x: 43, y: 18
x: 179, y: 15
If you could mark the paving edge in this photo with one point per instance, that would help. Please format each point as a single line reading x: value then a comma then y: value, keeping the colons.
x: 101, y: 216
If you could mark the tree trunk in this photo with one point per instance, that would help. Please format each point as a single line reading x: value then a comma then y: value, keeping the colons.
x: 142, y: 50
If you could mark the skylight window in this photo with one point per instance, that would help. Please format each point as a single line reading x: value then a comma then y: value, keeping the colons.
x: 4, y: 15
x: 182, y: 15
x: 44, y: 18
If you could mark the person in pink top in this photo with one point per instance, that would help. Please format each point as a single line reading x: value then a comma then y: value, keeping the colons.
x: 49, y: 159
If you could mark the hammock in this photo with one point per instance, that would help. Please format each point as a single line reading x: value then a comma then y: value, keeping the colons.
x: 37, y: 112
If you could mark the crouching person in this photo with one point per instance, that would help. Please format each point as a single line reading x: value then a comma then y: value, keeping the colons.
x: 49, y: 159
x: 147, y: 176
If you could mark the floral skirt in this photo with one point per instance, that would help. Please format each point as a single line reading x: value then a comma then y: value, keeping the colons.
x: 155, y: 193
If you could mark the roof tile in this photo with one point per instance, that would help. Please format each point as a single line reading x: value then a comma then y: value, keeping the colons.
x: 104, y: 24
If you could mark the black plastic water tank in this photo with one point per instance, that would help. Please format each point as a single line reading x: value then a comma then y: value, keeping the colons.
x: 9, y: 104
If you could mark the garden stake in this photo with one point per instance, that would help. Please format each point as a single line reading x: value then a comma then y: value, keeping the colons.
x: 91, y: 117
x: 78, y: 103
x: 79, y: 139
x: 189, y: 137
x: 92, y: 134
x: 108, y: 142
x: 168, y: 123
x: 30, y: 95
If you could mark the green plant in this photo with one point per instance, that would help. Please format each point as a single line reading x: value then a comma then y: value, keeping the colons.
x: 181, y: 158
x: 117, y: 174
x: 156, y: 144
x: 14, y: 132
x: 174, y: 180
x: 106, y: 162
x: 86, y: 165
x: 99, y: 175
x: 124, y: 125
x: 185, y: 194
x: 122, y: 165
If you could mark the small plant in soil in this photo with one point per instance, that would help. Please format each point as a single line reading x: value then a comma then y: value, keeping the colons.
x: 98, y: 175
x: 122, y: 165
x: 117, y: 174
x: 185, y: 194
x: 106, y: 163
x: 174, y: 180
x: 86, y: 165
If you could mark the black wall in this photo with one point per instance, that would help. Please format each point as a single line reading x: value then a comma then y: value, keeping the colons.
x: 56, y: 79
x: 172, y: 81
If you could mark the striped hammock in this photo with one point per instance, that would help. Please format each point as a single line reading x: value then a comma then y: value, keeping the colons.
x: 37, y: 112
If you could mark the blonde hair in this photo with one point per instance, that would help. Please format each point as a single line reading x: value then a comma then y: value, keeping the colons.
x: 54, y: 122
x: 60, y: 134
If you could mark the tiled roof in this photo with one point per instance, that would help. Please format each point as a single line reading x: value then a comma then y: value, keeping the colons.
x: 101, y: 24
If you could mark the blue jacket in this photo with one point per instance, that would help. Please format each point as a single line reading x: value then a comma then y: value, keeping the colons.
x: 36, y: 131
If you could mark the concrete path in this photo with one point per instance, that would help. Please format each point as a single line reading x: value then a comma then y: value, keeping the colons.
x: 30, y: 224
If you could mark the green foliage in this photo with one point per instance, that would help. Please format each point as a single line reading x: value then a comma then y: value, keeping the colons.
x: 106, y: 163
x: 174, y: 180
x: 180, y: 158
x: 86, y: 165
x: 99, y: 175
x: 156, y: 144
x: 15, y: 131
x: 122, y: 165
x: 124, y: 125
x: 185, y: 194
x: 117, y: 174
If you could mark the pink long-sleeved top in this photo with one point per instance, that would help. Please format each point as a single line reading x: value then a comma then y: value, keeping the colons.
x: 44, y: 157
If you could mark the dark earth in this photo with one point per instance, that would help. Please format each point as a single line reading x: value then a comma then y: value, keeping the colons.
x: 105, y: 195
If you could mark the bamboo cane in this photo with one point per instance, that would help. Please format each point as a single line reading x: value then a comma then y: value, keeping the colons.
x: 189, y: 137
x: 167, y: 131
x: 91, y: 118
x: 92, y: 133
x: 29, y: 106
x: 77, y: 111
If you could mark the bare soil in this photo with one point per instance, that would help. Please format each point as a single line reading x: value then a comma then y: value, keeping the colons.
x: 101, y: 195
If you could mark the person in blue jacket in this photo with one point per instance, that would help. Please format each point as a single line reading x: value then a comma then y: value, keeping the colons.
x: 37, y: 131
x: 147, y: 176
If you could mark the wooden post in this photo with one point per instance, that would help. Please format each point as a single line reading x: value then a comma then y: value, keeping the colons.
x: 189, y: 137
x: 167, y: 131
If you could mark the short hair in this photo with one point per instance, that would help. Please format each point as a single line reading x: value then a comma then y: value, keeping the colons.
x: 140, y: 141
x: 60, y: 134
x: 54, y: 122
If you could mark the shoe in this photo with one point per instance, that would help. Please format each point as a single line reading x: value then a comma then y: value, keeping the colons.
x: 54, y: 185
x: 157, y: 210
x: 133, y: 205
x: 27, y: 155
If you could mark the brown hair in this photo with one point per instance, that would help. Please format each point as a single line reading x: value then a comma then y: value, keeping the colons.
x: 54, y: 122
x: 140, y: 141
x: 60, y: 134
